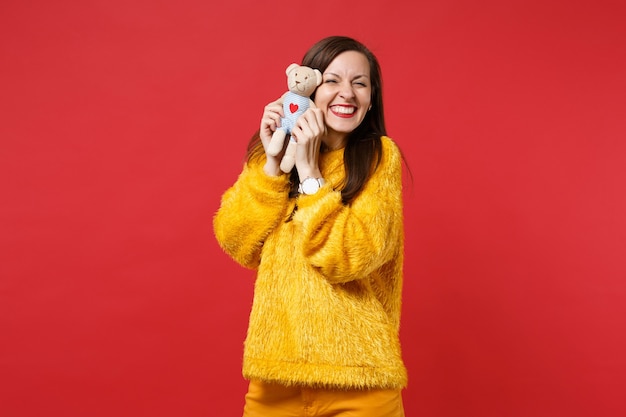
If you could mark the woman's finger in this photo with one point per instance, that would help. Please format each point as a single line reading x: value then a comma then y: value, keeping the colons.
x: 319, y: 117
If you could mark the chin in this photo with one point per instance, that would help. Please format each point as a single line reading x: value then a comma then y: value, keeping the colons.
x: 343, y: 125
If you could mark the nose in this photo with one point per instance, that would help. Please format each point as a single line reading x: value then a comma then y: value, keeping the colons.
x: 346, y: 91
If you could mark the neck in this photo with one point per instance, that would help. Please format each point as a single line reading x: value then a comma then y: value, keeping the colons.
x: 333, y: 141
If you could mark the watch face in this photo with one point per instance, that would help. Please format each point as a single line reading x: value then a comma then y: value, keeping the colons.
x: 310, y: 186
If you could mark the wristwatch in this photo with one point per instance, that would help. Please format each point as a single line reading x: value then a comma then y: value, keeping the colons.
x: 310, y: 185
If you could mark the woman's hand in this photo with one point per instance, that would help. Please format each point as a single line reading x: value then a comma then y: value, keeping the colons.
x: 308, y: 132
x: 270, y: 121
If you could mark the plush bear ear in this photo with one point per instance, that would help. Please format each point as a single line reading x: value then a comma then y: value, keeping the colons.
x: 318, y: 76
x: 291, y: 68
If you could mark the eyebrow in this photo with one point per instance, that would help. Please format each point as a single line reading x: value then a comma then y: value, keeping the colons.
x: 358, y: 76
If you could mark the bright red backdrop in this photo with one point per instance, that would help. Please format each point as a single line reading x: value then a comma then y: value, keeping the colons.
x: 122, y: 122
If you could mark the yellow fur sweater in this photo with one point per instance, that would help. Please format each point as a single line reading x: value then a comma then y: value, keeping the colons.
x: 326, y: 307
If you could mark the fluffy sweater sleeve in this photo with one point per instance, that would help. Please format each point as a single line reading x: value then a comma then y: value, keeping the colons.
x: 248, y: 213
x: 348, y: 242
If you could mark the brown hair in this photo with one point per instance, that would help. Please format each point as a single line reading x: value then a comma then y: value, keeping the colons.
x: 363, y: 150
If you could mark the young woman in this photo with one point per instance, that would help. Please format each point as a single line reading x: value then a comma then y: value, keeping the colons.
x: 327, y: 243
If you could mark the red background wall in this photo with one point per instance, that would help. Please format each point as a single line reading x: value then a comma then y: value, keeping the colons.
x: 122, y: 122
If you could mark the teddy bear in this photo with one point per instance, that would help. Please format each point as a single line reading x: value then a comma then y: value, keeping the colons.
x: 301, y: 83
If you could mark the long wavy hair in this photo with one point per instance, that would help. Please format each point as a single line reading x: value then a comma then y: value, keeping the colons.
x: 363, y: 150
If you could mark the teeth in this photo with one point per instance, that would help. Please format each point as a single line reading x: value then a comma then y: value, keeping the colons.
x: 343, y: 109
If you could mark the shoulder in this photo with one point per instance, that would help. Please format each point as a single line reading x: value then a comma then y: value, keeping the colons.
x: 389, y: 143
x: 390, y: 151
x: 386, y: 180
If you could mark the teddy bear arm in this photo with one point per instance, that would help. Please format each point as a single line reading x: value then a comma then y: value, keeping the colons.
x: 289, y: 159
x: 276, y: 142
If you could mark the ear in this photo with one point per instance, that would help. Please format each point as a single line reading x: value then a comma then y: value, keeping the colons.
x: 318, y: 76
x: 291, y: 68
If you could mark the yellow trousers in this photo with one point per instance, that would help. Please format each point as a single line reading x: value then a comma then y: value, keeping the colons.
x: 274, y: 400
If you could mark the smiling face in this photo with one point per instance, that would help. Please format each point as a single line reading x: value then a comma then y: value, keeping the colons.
x: 344, y: 96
